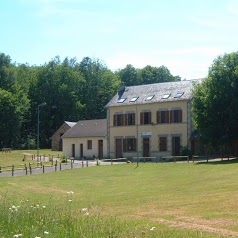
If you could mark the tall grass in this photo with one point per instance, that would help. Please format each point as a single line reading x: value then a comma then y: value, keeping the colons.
x: 59, y: 218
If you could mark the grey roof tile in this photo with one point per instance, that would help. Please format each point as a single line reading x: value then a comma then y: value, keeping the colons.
x: 157, y: 90
x: 87, y: 128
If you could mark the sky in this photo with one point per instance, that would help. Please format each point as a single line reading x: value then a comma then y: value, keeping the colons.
x: 186, y: 36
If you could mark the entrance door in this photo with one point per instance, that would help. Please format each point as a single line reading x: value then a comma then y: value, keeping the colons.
x: 176, y: 145
x: 81, y: 151
x: 146, y: 147
x: 100, y: 149
x: 119, y: 148
x: 73, y: 150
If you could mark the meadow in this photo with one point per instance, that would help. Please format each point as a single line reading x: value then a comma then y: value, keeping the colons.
x: 151, y: 200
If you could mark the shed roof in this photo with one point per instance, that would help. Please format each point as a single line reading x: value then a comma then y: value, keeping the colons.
x: 150, y: 93
x: 87, y: 128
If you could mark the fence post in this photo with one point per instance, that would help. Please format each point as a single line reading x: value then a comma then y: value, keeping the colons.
x: 26, y: 169
x: 0, y: 169
x: 52, y: 161
x: 71, y: 165
x: 82, y: 163
x: 13, y: 170
x: 144, y: 159
x: 43, y: 168
x: 32, y: 156
x: 30, y: 169
x: 87, y: 163
x: 188, y: 158
x: 60, y: 165
x: 55, y: 166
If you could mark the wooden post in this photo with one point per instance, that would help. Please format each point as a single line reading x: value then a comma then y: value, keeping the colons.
x: 87, y: 163
x: 188, y: 158
x: 144, y: 159
x: 111, y: 161
x: 82, y: 163
x: 32, y: 156
x: 43, y: 168
x: 71, y: 165
x: 55, y: 167
x: 26, y: 169
x: 30, y: 169
x: 52, y: 161
x: 0, y: 169
x: 13, y: 170
x: 60, y: 166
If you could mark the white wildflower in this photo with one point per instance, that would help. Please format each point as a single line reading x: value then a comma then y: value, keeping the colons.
x: 152, y: 228
x: 46, y: 232
x: 84, y: 209
x: 86, y: 214
x: 43, y: 206
x: 70, y: 200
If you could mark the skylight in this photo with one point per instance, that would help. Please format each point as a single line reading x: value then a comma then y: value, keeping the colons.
x: 134, y: 99
x: 149, y: 98
x: 166, y: 96
x: 121, y: 100
x: 179, y: 95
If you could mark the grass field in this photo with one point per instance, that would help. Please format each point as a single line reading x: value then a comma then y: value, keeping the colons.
x: 178, y: 199
x: 15, y: 157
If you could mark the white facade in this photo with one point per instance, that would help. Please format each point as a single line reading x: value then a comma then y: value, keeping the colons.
x: 80, y: 147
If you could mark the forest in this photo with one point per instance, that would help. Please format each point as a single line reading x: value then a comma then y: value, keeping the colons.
x: 72, y: 91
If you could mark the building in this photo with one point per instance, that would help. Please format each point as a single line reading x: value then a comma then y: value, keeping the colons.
x: 56, y: 142
x: 151, y: 120
x: 87, y: 139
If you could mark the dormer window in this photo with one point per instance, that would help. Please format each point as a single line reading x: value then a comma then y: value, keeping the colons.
x: 134, y: 99
x: 121, y: 100
x: 149, y: 98
x: 166, y: 96
x: 179, y: 95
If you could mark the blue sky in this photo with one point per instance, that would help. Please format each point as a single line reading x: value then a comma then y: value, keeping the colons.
x: 184, y: 35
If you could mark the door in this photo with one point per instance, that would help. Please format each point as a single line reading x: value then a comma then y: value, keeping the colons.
x: 176, y: 145
x: 73, y: 150
x: 60, y: 143
x: 100, y: 149
x: 81, y: 151
x: 118, y: 143
x: 146, y: 147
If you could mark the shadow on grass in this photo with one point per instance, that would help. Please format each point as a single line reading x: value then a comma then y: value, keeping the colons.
x: 217, y: 162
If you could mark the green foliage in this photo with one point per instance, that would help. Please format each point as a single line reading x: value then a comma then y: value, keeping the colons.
x: 73, y: 91
x: 215, y: 102
x: 147, y: 75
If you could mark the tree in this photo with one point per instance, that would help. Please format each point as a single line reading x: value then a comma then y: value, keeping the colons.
x: 129, y: 75
x: 215, y: 102
x: 99, y: 85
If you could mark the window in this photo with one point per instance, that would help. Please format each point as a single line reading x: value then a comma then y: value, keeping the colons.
x: 89, y: 144
x: 149, y: 98
x: 130, y: 119
x: 134, y: 99
x: 179, y: 95
x: 129, y: 144
x: 176, y: 116
x: 166, y: 96
x: 163, y: 116
x: 163, y: 143
x: 145, y: 118
x: 121, y: 100
x: 118, y: 120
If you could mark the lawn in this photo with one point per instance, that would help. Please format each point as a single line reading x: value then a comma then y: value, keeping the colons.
x: 178, y: 199
x: 15, y: 157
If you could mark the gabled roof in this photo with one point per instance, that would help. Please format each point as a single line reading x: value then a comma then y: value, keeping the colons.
x: 150, y: 93
x: 87, y: 128
x: 70, y: 124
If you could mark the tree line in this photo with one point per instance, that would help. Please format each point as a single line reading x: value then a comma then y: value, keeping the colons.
x: 72, y: 91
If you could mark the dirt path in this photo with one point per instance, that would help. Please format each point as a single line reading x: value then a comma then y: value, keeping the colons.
x: 198, y: 227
